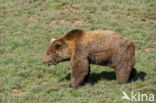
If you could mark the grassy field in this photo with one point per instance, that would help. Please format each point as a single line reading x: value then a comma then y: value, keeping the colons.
x: 26, y: 27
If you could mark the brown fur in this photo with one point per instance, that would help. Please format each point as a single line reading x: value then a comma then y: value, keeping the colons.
x: 83, y: 48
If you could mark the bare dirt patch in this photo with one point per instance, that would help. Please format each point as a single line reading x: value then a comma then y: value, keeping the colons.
x: 80, y: 22
x: 17, y: 92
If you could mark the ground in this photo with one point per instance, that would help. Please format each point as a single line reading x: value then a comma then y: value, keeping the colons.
x: 26, y: 27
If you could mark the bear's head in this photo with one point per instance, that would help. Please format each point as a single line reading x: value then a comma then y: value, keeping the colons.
x: 57, y: 51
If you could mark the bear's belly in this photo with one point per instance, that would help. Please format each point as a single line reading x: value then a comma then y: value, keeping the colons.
x: 101, y: 58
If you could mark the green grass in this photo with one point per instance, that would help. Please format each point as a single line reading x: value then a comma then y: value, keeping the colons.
x: 26, y: 27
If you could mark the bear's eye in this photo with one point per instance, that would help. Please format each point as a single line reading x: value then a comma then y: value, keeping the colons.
x: 48, y: 54
x: 57, y: 46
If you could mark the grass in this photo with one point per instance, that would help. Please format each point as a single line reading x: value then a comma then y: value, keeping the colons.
x: 26, y: 27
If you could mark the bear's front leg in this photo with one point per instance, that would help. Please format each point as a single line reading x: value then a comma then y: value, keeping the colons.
x: 80, y: 69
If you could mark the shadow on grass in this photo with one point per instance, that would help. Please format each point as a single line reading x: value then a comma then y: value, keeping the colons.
x: 105, y: 75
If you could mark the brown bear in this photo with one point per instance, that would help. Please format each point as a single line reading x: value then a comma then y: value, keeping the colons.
x: 83, y: 48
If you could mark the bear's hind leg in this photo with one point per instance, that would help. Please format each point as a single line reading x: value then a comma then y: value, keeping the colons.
x: 122, y: 74
x: 124, y: 61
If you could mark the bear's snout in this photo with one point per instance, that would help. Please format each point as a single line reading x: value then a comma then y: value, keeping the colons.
x: 49, y: 62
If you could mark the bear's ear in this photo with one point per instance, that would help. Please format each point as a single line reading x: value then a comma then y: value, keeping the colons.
x: 52, y: 40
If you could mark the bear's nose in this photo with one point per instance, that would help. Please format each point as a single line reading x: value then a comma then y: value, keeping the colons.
x: 49, y: 63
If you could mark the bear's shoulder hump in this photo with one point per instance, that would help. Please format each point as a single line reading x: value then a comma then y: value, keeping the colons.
x: 74, y: 33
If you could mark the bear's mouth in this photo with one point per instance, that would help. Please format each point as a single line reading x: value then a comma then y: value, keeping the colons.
x: 51, y: 63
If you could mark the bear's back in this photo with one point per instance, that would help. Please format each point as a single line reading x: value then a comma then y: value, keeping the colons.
x: 96, y: 41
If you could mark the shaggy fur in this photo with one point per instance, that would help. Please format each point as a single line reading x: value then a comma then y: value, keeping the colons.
x: 83, y: 48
